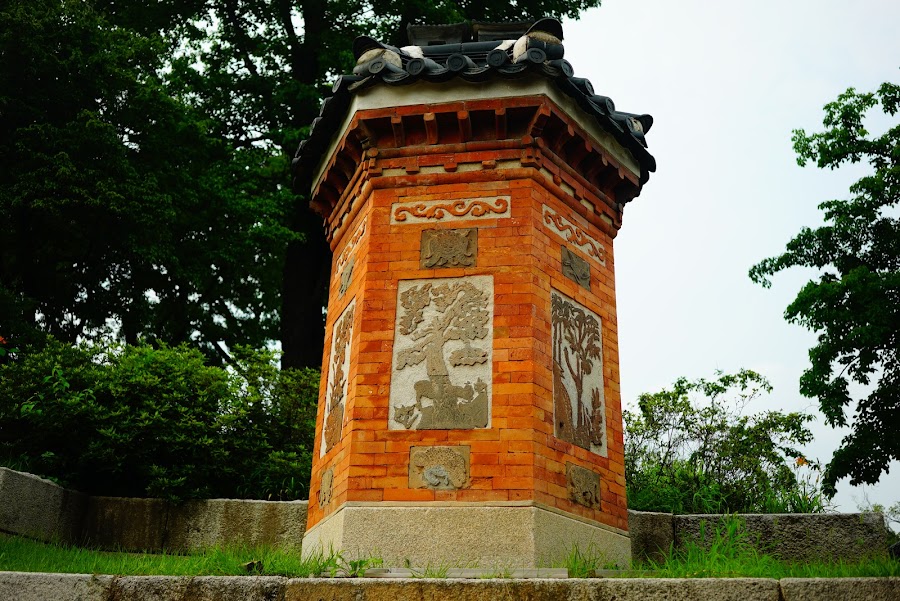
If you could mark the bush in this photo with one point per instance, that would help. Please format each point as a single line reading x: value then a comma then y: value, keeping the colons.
x: 686, y: 455
x: 158, y: 422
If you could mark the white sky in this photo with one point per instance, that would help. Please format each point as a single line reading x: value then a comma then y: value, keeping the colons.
x: 726, y: 83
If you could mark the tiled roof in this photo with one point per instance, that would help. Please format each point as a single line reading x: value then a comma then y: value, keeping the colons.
x: 538, y: 51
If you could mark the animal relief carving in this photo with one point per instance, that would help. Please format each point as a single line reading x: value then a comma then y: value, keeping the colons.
x: 449, y: 248
x: 325, y: 487
x: 583, y: 486
x: 440, y: 468
x: 442, y: 354
x: 579, y: 408
x: 336, y: 388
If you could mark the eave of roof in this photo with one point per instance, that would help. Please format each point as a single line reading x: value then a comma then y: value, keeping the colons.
x: 539, y: 51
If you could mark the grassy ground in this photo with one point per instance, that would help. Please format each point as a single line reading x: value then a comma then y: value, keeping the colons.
x: 22, y: 555
x: 726, y: 559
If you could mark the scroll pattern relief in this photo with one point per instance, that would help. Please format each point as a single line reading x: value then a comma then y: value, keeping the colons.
x: 583, y: 486
x: 448, y: 248
x: 439, y: 468
x: 441, y: 377
x: 579, y: 407
x: 575, y: 268
x: 450, y: 210
x: 336, y: 388
x: 573, y: 234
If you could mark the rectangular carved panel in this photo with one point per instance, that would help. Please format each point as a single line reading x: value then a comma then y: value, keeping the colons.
x: 449, y: 248
x: 337, y: 385
x: 579, y: 407
x: 583, y: 486
x: 439, y: 468
x: 575, y: 268
x: 441, y: 376
x: 441, y: 211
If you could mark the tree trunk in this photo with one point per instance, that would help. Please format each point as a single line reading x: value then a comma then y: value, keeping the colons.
x: 307, y: 268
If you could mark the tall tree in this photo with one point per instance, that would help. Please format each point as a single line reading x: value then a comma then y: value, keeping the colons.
x: 122, y: 203
x: 261, y: 68
x: 854, y: 305
x: 239, y: 81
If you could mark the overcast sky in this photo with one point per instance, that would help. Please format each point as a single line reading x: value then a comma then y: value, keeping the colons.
x: 726, y: 83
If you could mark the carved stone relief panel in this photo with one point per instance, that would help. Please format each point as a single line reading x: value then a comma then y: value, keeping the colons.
x: 450, y: 210
x: 325, y: 487
x: 579, y: 407
x: 583, y: 486
x: 439, y: 468
x: 575, y: 268
x: 448, y: 248
x: 343, y: 267
x: 574, y: 235
x: 351, y: 245
x: 346, y: 274
x: 337, y: 385
x: 441, y: 376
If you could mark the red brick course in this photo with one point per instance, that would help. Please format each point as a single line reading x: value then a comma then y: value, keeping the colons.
x: 517, y: 458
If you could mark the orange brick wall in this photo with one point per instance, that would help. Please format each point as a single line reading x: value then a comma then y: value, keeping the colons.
x: 517, y: 458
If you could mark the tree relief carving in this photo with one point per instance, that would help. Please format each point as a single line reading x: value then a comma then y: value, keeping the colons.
x: 579, y: 408
x: 441, y: 377
x: 337, y: 385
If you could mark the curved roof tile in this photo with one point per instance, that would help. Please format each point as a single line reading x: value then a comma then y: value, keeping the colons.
x: 539, y: 51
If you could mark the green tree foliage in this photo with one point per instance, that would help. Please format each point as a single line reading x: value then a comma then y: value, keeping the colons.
x: 146, y: 150
x: 158, y: 422
x: 121, y: 200
x: 690, y: 449
x: 854, y: 305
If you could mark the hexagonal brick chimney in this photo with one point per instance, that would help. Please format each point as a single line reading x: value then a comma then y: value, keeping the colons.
x: 469, y: 410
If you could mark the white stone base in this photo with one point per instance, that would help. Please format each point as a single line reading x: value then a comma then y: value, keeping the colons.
x: 465, y: 535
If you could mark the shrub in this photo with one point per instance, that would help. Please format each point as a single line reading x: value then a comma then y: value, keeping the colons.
x: 690, y: 449
x: 157, y: 421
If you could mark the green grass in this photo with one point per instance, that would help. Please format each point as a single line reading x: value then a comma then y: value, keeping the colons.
x: 729, y: 555
x: 733, y: 553
x: 23, y: 555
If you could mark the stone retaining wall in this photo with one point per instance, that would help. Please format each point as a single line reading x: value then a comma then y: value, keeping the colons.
x: 794, y: 536
x: 17, y: 586
x: 37, y: 508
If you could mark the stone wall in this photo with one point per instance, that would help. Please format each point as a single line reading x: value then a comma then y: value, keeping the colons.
x: 37, y: 508
x: 81, y: 587
x: 798, y: 537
